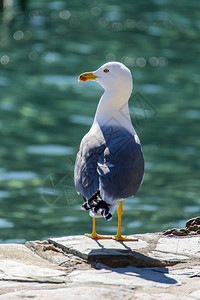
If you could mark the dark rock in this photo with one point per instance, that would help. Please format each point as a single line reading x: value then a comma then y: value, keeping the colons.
x: 176, y: 231
x: 192, y: 227
x: 169, y: 231
x: 192, y: 222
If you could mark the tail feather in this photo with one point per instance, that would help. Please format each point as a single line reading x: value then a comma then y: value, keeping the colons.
x: 97, y: 206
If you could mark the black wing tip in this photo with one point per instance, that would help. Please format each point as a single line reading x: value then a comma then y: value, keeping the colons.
x: 85, y: 206
x: 98, y: 206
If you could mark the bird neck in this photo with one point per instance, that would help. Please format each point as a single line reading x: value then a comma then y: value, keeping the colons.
x: 113, y: 110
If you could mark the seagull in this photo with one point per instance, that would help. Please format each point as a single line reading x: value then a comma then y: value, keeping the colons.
x: 109, y: 166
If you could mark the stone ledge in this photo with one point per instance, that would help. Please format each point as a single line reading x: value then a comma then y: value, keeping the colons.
x: 151, y: 250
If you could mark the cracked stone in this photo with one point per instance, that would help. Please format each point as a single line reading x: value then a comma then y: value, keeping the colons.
x: 187, y: 246
x: 156, y: 296
x: 20, y: 264
x: 70, y: 293
x: 168, y: 257
x: 195, y: 294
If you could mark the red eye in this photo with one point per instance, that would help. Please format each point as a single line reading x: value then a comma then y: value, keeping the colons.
x: 106, y: 70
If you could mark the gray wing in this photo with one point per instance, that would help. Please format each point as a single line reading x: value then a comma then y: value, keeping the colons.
x: 109, y: 160
x: 86, y: 176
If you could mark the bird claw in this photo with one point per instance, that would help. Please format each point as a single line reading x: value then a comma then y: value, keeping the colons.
x: 121, y: 238
x: 98, y: 236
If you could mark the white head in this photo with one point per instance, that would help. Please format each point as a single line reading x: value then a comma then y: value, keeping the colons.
x: 116, y: 79
x: 111, y: 76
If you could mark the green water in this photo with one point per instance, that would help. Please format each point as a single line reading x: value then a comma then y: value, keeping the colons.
x: 45, y: 111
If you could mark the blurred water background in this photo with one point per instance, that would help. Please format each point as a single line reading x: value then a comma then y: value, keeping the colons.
x: 45, y: 111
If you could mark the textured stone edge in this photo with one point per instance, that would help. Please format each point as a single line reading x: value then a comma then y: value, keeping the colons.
x: 141, y: 258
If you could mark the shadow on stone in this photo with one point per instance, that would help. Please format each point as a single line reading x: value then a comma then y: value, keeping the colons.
x: 118, y: 258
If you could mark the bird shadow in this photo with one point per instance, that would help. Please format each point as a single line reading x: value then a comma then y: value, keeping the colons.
x: 155, y: 274
x: 130, y: 263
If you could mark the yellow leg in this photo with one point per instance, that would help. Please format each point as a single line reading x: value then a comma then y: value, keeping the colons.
x: 96, y: 236
x: 118, y: 236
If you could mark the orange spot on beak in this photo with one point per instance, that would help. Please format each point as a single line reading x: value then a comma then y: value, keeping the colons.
x: 83, y: 78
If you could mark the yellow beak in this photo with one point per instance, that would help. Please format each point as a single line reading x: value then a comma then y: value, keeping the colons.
x: 87, y: 76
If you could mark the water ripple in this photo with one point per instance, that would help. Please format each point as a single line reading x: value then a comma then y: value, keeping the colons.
x: 51, y: 150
